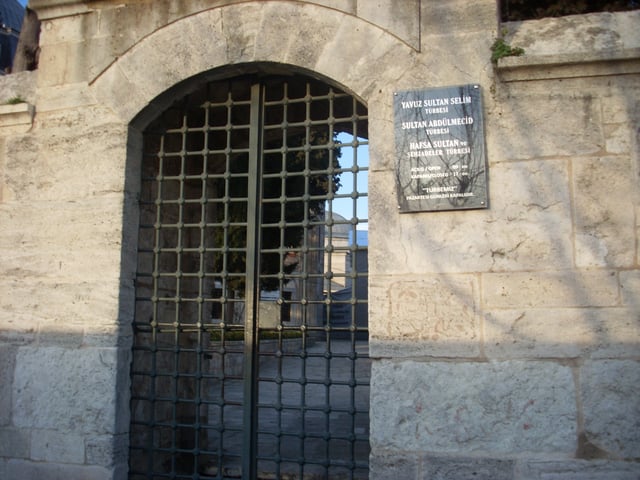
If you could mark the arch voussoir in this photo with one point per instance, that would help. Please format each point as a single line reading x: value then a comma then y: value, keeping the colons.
x: 330, y: 43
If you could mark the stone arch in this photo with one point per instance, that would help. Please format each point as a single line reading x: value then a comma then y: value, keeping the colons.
x: 206, y: 415
x: 278, y: 32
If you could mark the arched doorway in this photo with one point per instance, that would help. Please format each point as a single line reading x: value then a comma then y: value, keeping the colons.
x: 250, y: 356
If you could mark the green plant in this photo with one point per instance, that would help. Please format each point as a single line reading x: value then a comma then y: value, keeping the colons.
x: 501, y: 49
x: 15, y: 100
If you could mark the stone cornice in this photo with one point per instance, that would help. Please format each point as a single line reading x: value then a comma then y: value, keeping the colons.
x: 593, y: 44
x: 48, y: 9
x: 19, y: 115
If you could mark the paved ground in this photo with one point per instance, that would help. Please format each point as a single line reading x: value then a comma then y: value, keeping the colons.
x: 312, y: 413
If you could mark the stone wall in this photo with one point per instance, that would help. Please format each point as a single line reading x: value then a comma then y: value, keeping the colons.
x: 505, y: 341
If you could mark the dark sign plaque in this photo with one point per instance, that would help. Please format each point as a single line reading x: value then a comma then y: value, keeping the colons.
x: 440, y: 149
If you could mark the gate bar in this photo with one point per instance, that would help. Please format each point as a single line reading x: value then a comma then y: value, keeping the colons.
x: 252, y: 291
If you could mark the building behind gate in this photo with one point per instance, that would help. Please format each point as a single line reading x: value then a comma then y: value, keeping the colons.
x: 504, y: 339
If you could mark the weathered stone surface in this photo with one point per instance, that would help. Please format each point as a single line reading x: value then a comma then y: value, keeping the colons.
x: 62, y: 97
x: 454, y: 17
x: 54, y: 246
x: 497, y: 408
x: 446, y: 468
x: 618, y: 138
x: 14, y: 443
x: 394, y: 466
x: 437, y: 315
x: 22, y: 469
x: 630, y: 286
x: 239, y: 39
x: 16, y: 118
x: 55, y: 446
x: 589, y: 288
x: 464, y: 65
x: 580, y: 133
x: 8, y: 362
x: 527, y: 230
x: 562, y: 332
x: 590, y: 33
x: 69, y: 390
x: 604, y: 221
x: 287, y: 21
x: 619, y: 109
x: 106, y: 450
x: 610, y: 390
x: 549, y: 270
x: 358, y: 66
x: 22, y: 84
x: 54, y: 165
x: 403, y: 22
x: 578, y: 470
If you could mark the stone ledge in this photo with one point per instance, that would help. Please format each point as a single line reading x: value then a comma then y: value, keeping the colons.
x: 569, y: 65
x: 585, y: 45
x: 49, y: 9
x: 20, y: 114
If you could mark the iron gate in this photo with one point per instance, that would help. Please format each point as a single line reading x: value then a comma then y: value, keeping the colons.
x: 250, y: 356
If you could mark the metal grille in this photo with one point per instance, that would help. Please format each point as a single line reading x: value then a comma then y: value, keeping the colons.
x: 250, y: 356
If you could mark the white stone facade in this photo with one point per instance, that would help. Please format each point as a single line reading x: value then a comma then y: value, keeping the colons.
x: 505, y: 341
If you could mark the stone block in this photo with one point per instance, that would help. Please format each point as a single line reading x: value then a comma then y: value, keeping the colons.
x: 618, y: 139
x: 21, y: 470
x: 8, y: 362
x: 576, y: 33
x: 359, y: 63
x: 72, y: 28
x: 447, y: 468
x: 14, y: 443
x: 56, y: 446
x: 513, y: 407
x: 619, y: 109
x: 129, y: 87
x: 528, y: 230
x: 402, y: 20
x: 62, y: 97
x: 610, y: 390
x: 509, y: 134
x: 383, y: 466
x: 578, y: 470
x: 528, y: 225
x: 127, y: 95
x: 59, y: 163
x: 58, y: 63
x: 289, y: 23
x: 107, y: 450
x: 589, y: 288
x: 58, y: 313
x: 604, y: 221
x: 71, y: 390
x: 17, y: 118
x: 15, y: 328
x: 20, y: 84
x: 453, y: 17
x: 71, y: 243
x: 432, y: 315
x: 561, y: 333
x: 347, y: 6
x: 630, y: 286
